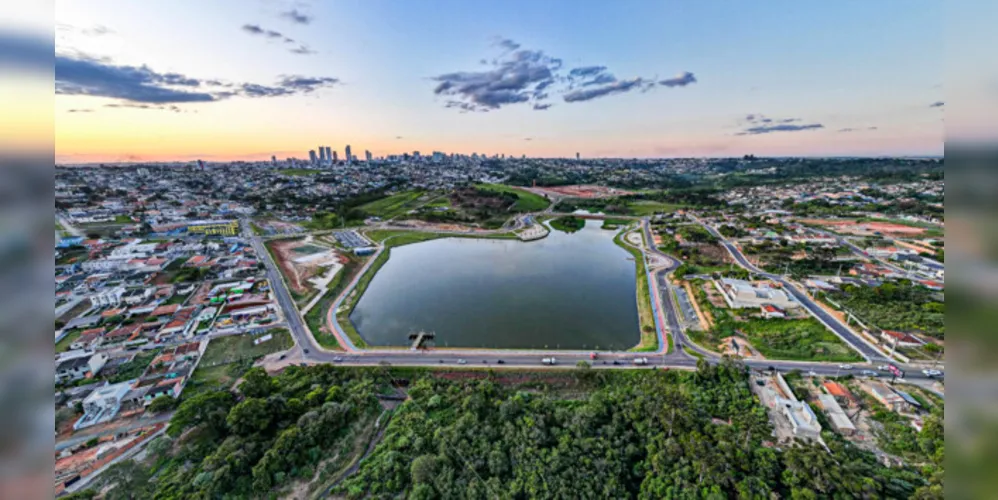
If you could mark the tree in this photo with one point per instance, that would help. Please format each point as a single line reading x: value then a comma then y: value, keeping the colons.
x: 127, y: 479
x: 256, y: 383
x: 423, y: 469
x: 248, y: 417
x: 209, y: 409
x: 162, y: 403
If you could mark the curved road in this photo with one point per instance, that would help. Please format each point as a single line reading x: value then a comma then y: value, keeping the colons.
x: 311, y: 352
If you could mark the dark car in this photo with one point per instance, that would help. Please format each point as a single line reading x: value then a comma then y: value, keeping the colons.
x: 616, y: 362
x: 305, y: 350
x: 501, y: 362
x: 771, y: 368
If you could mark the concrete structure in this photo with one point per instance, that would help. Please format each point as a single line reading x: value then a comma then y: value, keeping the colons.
x: 899, y: 339
x: 103, y: 404
x: 885, y: 395
x: 111, y: 297
x: 741, y: 294
x: 802, y: 419
x: 770, y: 311
x: 75, y: 368
x: 213, y: 227
x: 836, y: 415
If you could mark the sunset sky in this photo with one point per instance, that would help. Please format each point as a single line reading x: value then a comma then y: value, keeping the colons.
x: 157, y: 80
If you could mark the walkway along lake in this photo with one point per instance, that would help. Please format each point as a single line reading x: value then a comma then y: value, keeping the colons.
x: 568, y: 291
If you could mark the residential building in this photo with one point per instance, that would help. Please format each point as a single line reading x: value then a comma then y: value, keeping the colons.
x: 836, y: 415
x: 770, y: 311
x: 740, y: 294
x: 79, y: 367
x: 214, y: 227
x: 885, y: 395
x: 111, y: 297
x: 103, y: 404
x: 899, y: 339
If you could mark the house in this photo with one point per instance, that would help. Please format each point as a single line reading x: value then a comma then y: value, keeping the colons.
x: 836, y: 415
x: 103, y: 404
x: 137, y: 296
x: 900, y: 339
x: 88, y: 339
x: 770, y: 311
x: 839, y: 392
x: 111, y: 297
x: 801, y: 417
x: 885, y: 395
x: 68, y: 370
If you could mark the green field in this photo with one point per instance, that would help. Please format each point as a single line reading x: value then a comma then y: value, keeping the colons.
x: 63, y: 345
x: 649, y: 207
x: 614, y: 224
x: 392, y: 206
x: 298, y: 172
x: 649, y: 337
x: 526, y: 202
x: 237, y: 347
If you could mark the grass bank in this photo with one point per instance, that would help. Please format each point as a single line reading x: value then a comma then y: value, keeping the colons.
x: 646, y: 318
x: 526, y: 201
x: 568, y: 224
x: 392, y: 206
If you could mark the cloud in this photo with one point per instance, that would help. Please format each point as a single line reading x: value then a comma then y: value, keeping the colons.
x: 80, y: 111
x: 256, y: 30
x: 25, y: 52
x: 937, y: 104
x: 768, y: 129
x: 129, y: 83
x: 528, y: 138
x: 142, y: 87
x: 525, y: 76
x: 296, y: 17
x: 681, y: 80
x: 398, y: 136
x: 849, y: 129
x: 587, y: 94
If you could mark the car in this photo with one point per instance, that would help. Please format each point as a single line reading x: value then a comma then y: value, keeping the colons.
x: 932, y: 373
x: 771, y: 368
x: 305, y: 351
x: 501, y: 362
x: 641, y: 361
x: 337, y: 359
x: 812, y: 374
x: 870, y: 373
x: 616, y: 362
x: 549, y: 361
x: 845, y: 367
x: 441, y: 361
x: 282, y: 356
x: 884, y: 368
x: 462, y: 362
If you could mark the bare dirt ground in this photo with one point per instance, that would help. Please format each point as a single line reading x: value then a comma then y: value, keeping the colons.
x: 745, y: 349
x: 296, y: 270
x: 581, y: 191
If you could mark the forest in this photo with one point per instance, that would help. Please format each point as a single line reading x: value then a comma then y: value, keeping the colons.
x: 579, y: 433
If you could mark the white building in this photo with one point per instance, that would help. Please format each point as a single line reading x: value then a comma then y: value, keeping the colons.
x: 111, y: 297
x: 78, y: 367
x: 103, y: 404
x: 836, y: 415
x: 740, y: 294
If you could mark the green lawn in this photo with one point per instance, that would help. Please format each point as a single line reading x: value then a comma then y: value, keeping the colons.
x: 614, y: 224
x: 392, y: 206
x: 649, y: 337
x: 649, y: 207
x: 526, y: 202
x: 234, y: 348
x: 63, y: 345
x: 297, y: 172
x: 123, y: 219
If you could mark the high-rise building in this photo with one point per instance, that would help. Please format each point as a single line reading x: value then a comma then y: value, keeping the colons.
x: 576, y: 156
x: 415, y: 155
x: 347, y: 155
x: 322, y: 154
x: 437, y: 156
x: 329, y: 154
x: 273, y: 160
x: 311, y: 157
x: 335, y: 159
x: 367, y: 156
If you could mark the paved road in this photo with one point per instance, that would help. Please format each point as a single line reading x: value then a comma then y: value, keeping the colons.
x: 73, y: 230
x: 522, y: 358
x: 863, y: 347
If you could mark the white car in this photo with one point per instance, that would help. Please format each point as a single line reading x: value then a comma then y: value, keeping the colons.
x: 812, y: 374
x: 845, y: 367
x: 549, y: 361
x: 337, y: 359
x: 932, y: 373
x: 641, y: 361
x: 870, y: 373
x: 884, y: 368
x: 462, y: 362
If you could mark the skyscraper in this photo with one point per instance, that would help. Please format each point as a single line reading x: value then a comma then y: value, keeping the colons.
x: 576, y: 156
x: 367, y: 156
x: 273, y: 160
x: 335, y: 159
x: 329, y: 154
x: 311, y: 157
x: 322, y: 154
x: 348, y: 156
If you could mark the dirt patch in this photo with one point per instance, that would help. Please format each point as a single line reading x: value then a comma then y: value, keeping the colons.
x: 582, y: 191
x: 294, y: 259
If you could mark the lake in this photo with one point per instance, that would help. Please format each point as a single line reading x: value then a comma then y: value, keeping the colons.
x: 568, y: 291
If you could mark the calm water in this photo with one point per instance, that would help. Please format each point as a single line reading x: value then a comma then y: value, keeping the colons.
x: 566, y: 290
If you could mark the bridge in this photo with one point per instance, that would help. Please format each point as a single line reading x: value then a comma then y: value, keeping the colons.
x: 418, y: 339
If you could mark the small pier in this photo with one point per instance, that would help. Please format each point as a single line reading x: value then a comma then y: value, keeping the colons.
x: 418, y: 339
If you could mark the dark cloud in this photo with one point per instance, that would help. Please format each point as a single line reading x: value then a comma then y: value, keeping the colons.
x: 769, y: 129
x: 25, y: 51
x: 256, y: 30
x: 531, y: 77
x: 80, y: 111
x: 129, y: 83
x: 507, y: 44
x: 296, y: 17
x: 398, y: 136
x: 681, y: 80
x: 937, y: 104
x: 589, y: 93
x: 141, y: 87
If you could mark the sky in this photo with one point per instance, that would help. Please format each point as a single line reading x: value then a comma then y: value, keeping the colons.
x: 221, y: 80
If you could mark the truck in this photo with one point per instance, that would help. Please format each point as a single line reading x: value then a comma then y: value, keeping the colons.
x: 549, y: 361
x: 641, y: 361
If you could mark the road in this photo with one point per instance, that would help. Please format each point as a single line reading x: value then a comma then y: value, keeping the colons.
x: 522, y: 358
x: 74, y: 231
x: 859, y: 344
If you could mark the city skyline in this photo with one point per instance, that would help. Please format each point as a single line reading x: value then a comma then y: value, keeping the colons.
x: 656, y: 81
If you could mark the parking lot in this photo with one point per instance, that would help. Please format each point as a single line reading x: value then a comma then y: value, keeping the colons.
x: 350, y: 239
